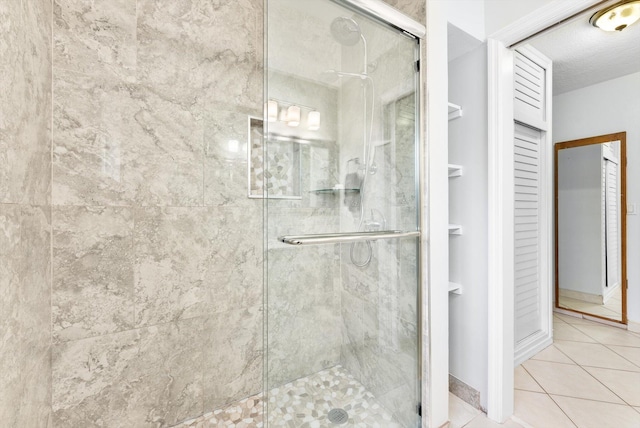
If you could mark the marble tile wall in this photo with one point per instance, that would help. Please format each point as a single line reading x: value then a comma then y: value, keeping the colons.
x: 157, y: 250
x: 303, y: 300
x: 148, y: 310
x: 25, y: 213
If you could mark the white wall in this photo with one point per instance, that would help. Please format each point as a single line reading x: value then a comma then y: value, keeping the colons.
x: 580, y: 219
x: 468, y: 319
x: 468, y: 15
x: 605, y: 108
x: 500, y: 13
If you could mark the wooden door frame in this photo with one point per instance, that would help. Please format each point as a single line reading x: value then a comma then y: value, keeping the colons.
x: 618, y: 136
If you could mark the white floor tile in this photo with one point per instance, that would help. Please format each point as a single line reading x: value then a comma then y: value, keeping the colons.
x: 574, y: 320
x: 460, y: 412
x: 481, y: 421
x: 564, y: 331
x: 625, y: 384
x: 595, y: 414
x: 631, y: 354
x: 524, y: 381
x: 539, y: 410
x: 551, y: 353
x: 595, y: 355
x: 569, y: 380
x: 610, y: 335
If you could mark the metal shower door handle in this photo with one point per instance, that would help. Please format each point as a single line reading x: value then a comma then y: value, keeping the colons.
x: 338, y: 238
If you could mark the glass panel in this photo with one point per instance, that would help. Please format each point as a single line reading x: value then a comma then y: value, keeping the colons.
x: 338, y: 155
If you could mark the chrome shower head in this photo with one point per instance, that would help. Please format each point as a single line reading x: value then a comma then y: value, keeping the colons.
x: 346, y: 31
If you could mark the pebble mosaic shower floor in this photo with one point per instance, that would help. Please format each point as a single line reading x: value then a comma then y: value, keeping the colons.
x: 304, y: 403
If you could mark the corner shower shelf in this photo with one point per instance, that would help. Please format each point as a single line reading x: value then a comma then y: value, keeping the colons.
x: 455, y: 288
x: 455, y: 229
x: 455, y: 170
x: 455, y: 111
x: 333, y: 191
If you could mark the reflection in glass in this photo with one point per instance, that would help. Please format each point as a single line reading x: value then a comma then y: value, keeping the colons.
x: 589, y: 227
x: 342, y: 318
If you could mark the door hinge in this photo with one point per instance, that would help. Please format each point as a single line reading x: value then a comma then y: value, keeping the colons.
x: 418, y: 66
x: 419, y: 409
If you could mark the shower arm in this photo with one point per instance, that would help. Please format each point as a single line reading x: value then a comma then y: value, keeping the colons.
x: 365, y: 152
x: 365, y: 69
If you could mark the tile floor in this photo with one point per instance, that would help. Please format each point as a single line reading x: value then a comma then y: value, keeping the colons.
x: 304, y: 403
x: 612, y: 309
x: 588, y: 378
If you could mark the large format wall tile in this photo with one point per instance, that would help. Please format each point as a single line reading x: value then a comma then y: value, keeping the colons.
x: 184, y: 257
x: 226, y: 140
x: 415, y: 9
x: 25, y: 316
x: 236, y: 288
x: 96, y: 37
x: 303, y: 305
x: 92, y: 270
x: 167, y: 53
x: 233, y: 356
x: 25, y: 104
x: 238, y: 244
x: 25, y: 215
x: 379, y: 332
x: 232, y: 66
x: 211, y: 50
x: 150, y: 377
x: 117, y: 143
x: 172, y: 267
x: 302, y: 343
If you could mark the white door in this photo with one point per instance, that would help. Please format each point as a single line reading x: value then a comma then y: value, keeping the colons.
x: 532, y: 203
x: 611, y: 223
x: 527, y: 237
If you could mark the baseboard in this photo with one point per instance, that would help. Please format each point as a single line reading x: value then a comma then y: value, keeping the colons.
x: 609, y: 292
x: 531, y: 346
x: 633, y: 326
x: 466, y: 393
x: 584, y: 297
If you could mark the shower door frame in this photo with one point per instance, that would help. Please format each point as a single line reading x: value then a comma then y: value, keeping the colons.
x: 387, y: 15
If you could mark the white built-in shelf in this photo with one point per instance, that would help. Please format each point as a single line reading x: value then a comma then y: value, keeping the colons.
x: 455, y: 288
x: 455, y: 170
x: 455, y: 111
x: 455, y: 229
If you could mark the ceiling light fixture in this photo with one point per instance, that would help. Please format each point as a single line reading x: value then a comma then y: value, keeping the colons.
x: 618, y: 16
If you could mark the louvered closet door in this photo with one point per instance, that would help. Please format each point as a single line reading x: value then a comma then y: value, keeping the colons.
x: 611, y: 222
x: 527, y: 157
x: 529, y: 92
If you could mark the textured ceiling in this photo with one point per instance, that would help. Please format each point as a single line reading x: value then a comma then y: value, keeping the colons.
x: 584, y: 55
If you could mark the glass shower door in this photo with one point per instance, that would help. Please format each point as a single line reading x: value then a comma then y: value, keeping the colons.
x: 336, y: 163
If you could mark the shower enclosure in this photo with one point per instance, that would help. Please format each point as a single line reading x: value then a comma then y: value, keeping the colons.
x: 336, y: 160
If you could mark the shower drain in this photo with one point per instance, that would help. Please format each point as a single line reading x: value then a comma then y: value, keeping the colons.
x: 338, y: 416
